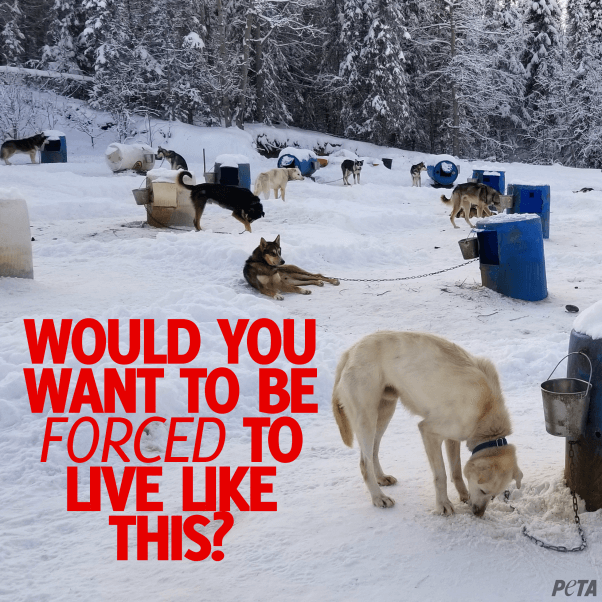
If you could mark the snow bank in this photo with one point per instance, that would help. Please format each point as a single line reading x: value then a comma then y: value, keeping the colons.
x: 228, y: 160
x: 590, y: 321
x: 302, y: 154
x: 501, y: 218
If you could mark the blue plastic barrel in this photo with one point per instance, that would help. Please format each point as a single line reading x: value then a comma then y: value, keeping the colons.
x: 306, y: 166
x: 532, y: 199
x: 54, y: 151
x: 233, y: 176
x: 585, y: 479
x: 495, y: 179
x: 444, y: 173
x: 512, y: 257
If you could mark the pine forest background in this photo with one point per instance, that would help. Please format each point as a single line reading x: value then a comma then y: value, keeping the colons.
x: 496, y: 79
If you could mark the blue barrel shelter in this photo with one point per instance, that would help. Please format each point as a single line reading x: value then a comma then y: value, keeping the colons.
x: 304, y: 159
x: 588, y: 452
x: 532, y: 199
x: 444, y: 174
x: 495, y: 179
x: 233, y: 170
x: 55, y: 149
x: 512, y: 256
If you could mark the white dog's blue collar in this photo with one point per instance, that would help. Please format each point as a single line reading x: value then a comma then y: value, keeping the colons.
x: 497, y: 443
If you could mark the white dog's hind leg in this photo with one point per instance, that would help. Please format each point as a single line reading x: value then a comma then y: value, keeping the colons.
x: 386, y: 409
x: 365, y: 433
x: 432, y: 444
x: 455, y: 467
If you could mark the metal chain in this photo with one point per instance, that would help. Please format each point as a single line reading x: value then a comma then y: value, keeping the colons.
x: 405, y: 277
x: 543, y: 544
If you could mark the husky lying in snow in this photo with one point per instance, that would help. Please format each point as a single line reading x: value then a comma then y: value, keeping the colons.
x: 458, y: 396
x: 265, y: 271
x: 276, y: 179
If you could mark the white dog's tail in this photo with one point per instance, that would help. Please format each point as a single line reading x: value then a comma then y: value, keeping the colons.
x: 337, y: 409
x: 444, y: 199
x: 258, y: 186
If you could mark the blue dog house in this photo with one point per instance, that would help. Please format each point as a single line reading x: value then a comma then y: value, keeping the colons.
x: 588, y: 454
x: 304, y: 159
x: 511, y: 256
x: 444, y: 174
x: 495, y: 179
x: 55, y: 149
x: 532, y: 199
x: 233, y: 170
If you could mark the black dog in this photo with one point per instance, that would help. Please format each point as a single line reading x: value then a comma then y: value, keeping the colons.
x: 245, y: 206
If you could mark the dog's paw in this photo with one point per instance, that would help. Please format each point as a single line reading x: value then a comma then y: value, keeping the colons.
x: 319, y: 283
x: 386, y: 479
x: 305, y: 292
x: 279, y: 297
x: 383, y: 501
x: 335, y: 281
x: 446, y: 508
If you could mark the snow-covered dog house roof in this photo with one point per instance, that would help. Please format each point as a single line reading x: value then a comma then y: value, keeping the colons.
x: 305, y: 159
x: 137, y: 156
x: 233, y: 170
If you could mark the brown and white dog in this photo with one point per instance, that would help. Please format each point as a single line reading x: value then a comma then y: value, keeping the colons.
x: 472, y: 194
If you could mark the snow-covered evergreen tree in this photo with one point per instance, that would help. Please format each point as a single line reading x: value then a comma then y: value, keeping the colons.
x: 11, y: 36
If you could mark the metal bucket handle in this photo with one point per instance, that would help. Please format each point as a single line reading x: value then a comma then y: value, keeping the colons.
x: 591, y: 370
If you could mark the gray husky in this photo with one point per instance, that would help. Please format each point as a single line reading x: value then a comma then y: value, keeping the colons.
x: 415, y: 173
x: 472, y: 194
x: 176, y: 161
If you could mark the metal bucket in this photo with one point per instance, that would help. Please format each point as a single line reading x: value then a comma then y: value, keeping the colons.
x: 209, y: 177
x: 566, y: 402
x: 469, y: 247
x: 141, y: 195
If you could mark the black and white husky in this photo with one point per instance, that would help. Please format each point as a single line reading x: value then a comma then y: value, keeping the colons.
x: 349, y: 166
x: 415, y: 173
x: 176, y: 161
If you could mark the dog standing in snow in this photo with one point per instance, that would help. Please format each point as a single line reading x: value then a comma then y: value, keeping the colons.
x: 276, y: 180
x: 349, y: 167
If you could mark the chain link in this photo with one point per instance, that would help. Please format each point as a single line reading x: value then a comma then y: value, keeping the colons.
x: 543, y: 544
x: 405, y: 277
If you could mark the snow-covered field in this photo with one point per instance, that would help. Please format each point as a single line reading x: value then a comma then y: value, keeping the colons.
x: 93, y: 257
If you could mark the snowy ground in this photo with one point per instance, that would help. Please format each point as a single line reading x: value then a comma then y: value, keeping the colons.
x: 93, y: 257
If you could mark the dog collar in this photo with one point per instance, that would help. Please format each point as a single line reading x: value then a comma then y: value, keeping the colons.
x: 497, y: 443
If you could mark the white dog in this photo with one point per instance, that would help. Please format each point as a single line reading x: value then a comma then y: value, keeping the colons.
x: 276, y: 179
x: 458, y: 396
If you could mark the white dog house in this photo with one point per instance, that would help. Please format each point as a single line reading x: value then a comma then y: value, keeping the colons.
x: 167, y: 203
x: 16, y: 259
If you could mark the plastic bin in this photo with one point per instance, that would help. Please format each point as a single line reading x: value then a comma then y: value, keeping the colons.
x: 532, y: 199
x: 512, y: 256
x: 495, y: 179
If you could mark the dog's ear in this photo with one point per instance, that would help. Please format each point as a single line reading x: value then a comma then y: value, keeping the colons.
x: 277, y: 240
x: 262, y: 243
x: 517, y: 475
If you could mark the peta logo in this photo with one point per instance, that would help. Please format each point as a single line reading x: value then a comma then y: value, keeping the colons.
x: 569, y: 587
